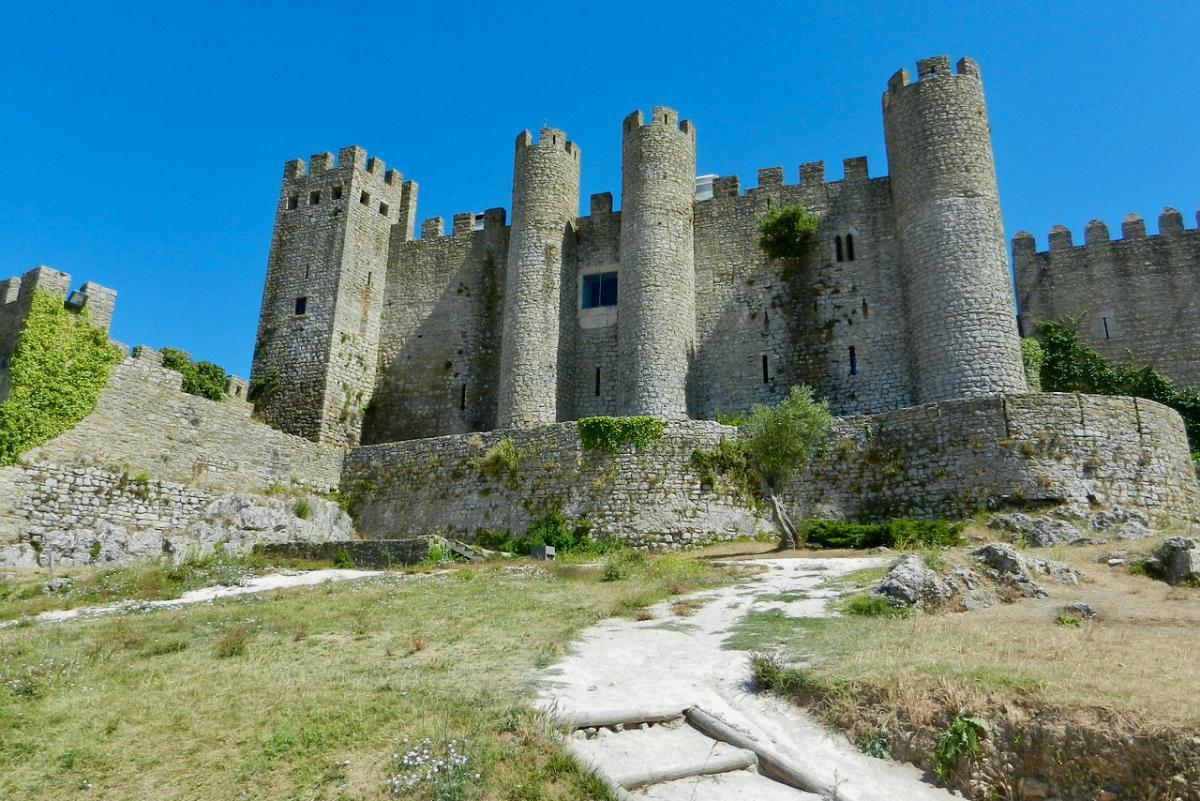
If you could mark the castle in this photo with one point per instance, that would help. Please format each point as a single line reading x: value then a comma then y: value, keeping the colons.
x: 666, y: 307
x: 389, y: 367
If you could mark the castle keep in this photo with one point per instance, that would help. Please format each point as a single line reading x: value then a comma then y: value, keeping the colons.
x: 666, y: 307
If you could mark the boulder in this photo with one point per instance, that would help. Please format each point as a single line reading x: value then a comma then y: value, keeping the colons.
x: 1177, y: 560
x: 1006, y: 565
x: 911, y: 583
x: 1039, y: 532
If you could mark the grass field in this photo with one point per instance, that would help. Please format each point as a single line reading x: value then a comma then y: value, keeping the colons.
x: 346, y: 691
x: 1131, y: 661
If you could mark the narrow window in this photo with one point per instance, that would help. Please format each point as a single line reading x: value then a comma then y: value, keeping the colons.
x: 766, y: 367
x: 301, y: 306
x: 307, y: 270
x: 597, y: 382
x: 866, y: 309
x: 368, y: 279
x: 293, y: 202
x: 383, y: 209
x: 1105, y: 319
x: 462, y: 398
x: 853, y: 362
x: 365, y: 198
x: 837, y: 247
x: 849, y: 247
x: 314, y: 198
x: 337, y: 193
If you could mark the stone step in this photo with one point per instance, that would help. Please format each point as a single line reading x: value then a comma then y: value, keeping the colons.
x: 738, y: 785
x: 658, y: 754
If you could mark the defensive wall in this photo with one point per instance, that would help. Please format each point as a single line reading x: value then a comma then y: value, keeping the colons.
x: 1138, y: 295
x: 942, y: 460
x: 154, y: 470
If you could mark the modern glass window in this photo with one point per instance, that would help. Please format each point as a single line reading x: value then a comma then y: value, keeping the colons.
x: 599, y: 289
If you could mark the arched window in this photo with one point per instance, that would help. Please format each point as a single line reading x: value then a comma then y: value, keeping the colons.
x: 837, y: 247
x: 849, y: 247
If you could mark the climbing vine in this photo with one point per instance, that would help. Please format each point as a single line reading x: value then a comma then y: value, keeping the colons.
x: 1033, y: 357
x: 58, y: 368
x: 610, y: 433
x: 1071, y: 366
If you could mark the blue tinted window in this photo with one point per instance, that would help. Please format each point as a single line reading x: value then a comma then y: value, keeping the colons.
x: 599, y: 289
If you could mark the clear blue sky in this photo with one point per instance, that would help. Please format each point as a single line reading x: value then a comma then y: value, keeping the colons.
x: 145, y: 145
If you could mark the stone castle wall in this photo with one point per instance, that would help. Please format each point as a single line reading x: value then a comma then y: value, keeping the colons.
x: 943, y: 460
x: 1137, y: 294
x: 156, y: 470
x: 650, y: 497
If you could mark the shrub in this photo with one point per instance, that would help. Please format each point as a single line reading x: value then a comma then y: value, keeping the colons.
x: 342, y: 558
x: 233, y: 643
x: 786, y: 231
x: 56, y: 373
x: 502, y: 458
x: 303, y: 509
x: 960, y: 739
x: 620, y: 565
x: 610, y: 433
x: 898, y: 533
x: 203, y: 379
x: 772, y: 675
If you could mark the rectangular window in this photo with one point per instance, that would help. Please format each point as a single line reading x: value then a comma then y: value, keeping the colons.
x: 597, y: 382
x: 766, y: 365
x: 383, y: 209
x: 1106, y: 334
x: 314, y: 198
x: 337, y: 193
x: 599, y: 289
x: 293, y: 202
x: 365, y: 198
x: 301, y: 306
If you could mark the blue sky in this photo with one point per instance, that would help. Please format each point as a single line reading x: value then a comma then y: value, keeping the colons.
x: 145, y: 141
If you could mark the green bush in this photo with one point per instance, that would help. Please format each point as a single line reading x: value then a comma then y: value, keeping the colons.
x: 610, y: 433
x: 772, y: 675
x: 785, y: 232
x: 57, y: 371
x: 203, y: 379
x: 901, y: 533
x: 502, y: 459
x: 555, y: 529
x: 1033, y: 357
x: 303, y: 509
x: 1071, y: 366
x: 621, y: 564
x: 779, y: 441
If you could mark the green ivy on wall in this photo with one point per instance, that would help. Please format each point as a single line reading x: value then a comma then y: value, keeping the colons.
x: 784, y: 232
x: 1033, y: 358
x: 610, y: 433
x: 58, y: 368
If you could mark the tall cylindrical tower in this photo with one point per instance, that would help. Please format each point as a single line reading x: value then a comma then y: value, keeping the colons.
x: 545, y: 203
x: 954, y: 267
x: 656, y: 326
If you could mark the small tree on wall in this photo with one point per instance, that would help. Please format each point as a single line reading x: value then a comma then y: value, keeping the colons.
x: 780, y: 441
x: 785, y: 232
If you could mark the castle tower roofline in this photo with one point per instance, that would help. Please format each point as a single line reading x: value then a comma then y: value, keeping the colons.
x: 934, y: 68
x: 659, y: 116
x: 548, y: 138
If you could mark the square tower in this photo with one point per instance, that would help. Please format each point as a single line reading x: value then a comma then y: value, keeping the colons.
x: 318, y: 331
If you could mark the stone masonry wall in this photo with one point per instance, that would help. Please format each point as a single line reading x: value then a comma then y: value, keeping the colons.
x: 1076, y: 452
x: 1137, y: 294
x: 944, y: 460
x: 650, y: 497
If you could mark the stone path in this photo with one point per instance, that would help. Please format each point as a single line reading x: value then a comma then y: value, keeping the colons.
x: 626, y: 687
x: 271, y: 581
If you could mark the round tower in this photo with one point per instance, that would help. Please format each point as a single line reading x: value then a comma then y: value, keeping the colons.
x: 656, y: 326
x: 545, y: 203
x: 953, y: 263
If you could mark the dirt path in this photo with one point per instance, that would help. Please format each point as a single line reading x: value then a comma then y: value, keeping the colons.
x: 271, y: 581
x: 624, y: 670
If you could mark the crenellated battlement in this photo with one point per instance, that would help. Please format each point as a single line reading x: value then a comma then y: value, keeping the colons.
x: 934, y: 68
x: 352, y: 157
x: 660, y: 116
x: 811, y: 175
x: 1096, y: 234
x: 548, y: 139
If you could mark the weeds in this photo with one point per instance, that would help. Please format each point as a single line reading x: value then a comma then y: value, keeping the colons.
x: 873, y: 606
x: 302, y: 509
x: 961, y: 738
x: 233, y: 643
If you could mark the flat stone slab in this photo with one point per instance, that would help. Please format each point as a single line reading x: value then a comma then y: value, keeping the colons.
x: 741, y: 785
x: 660, y: 753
